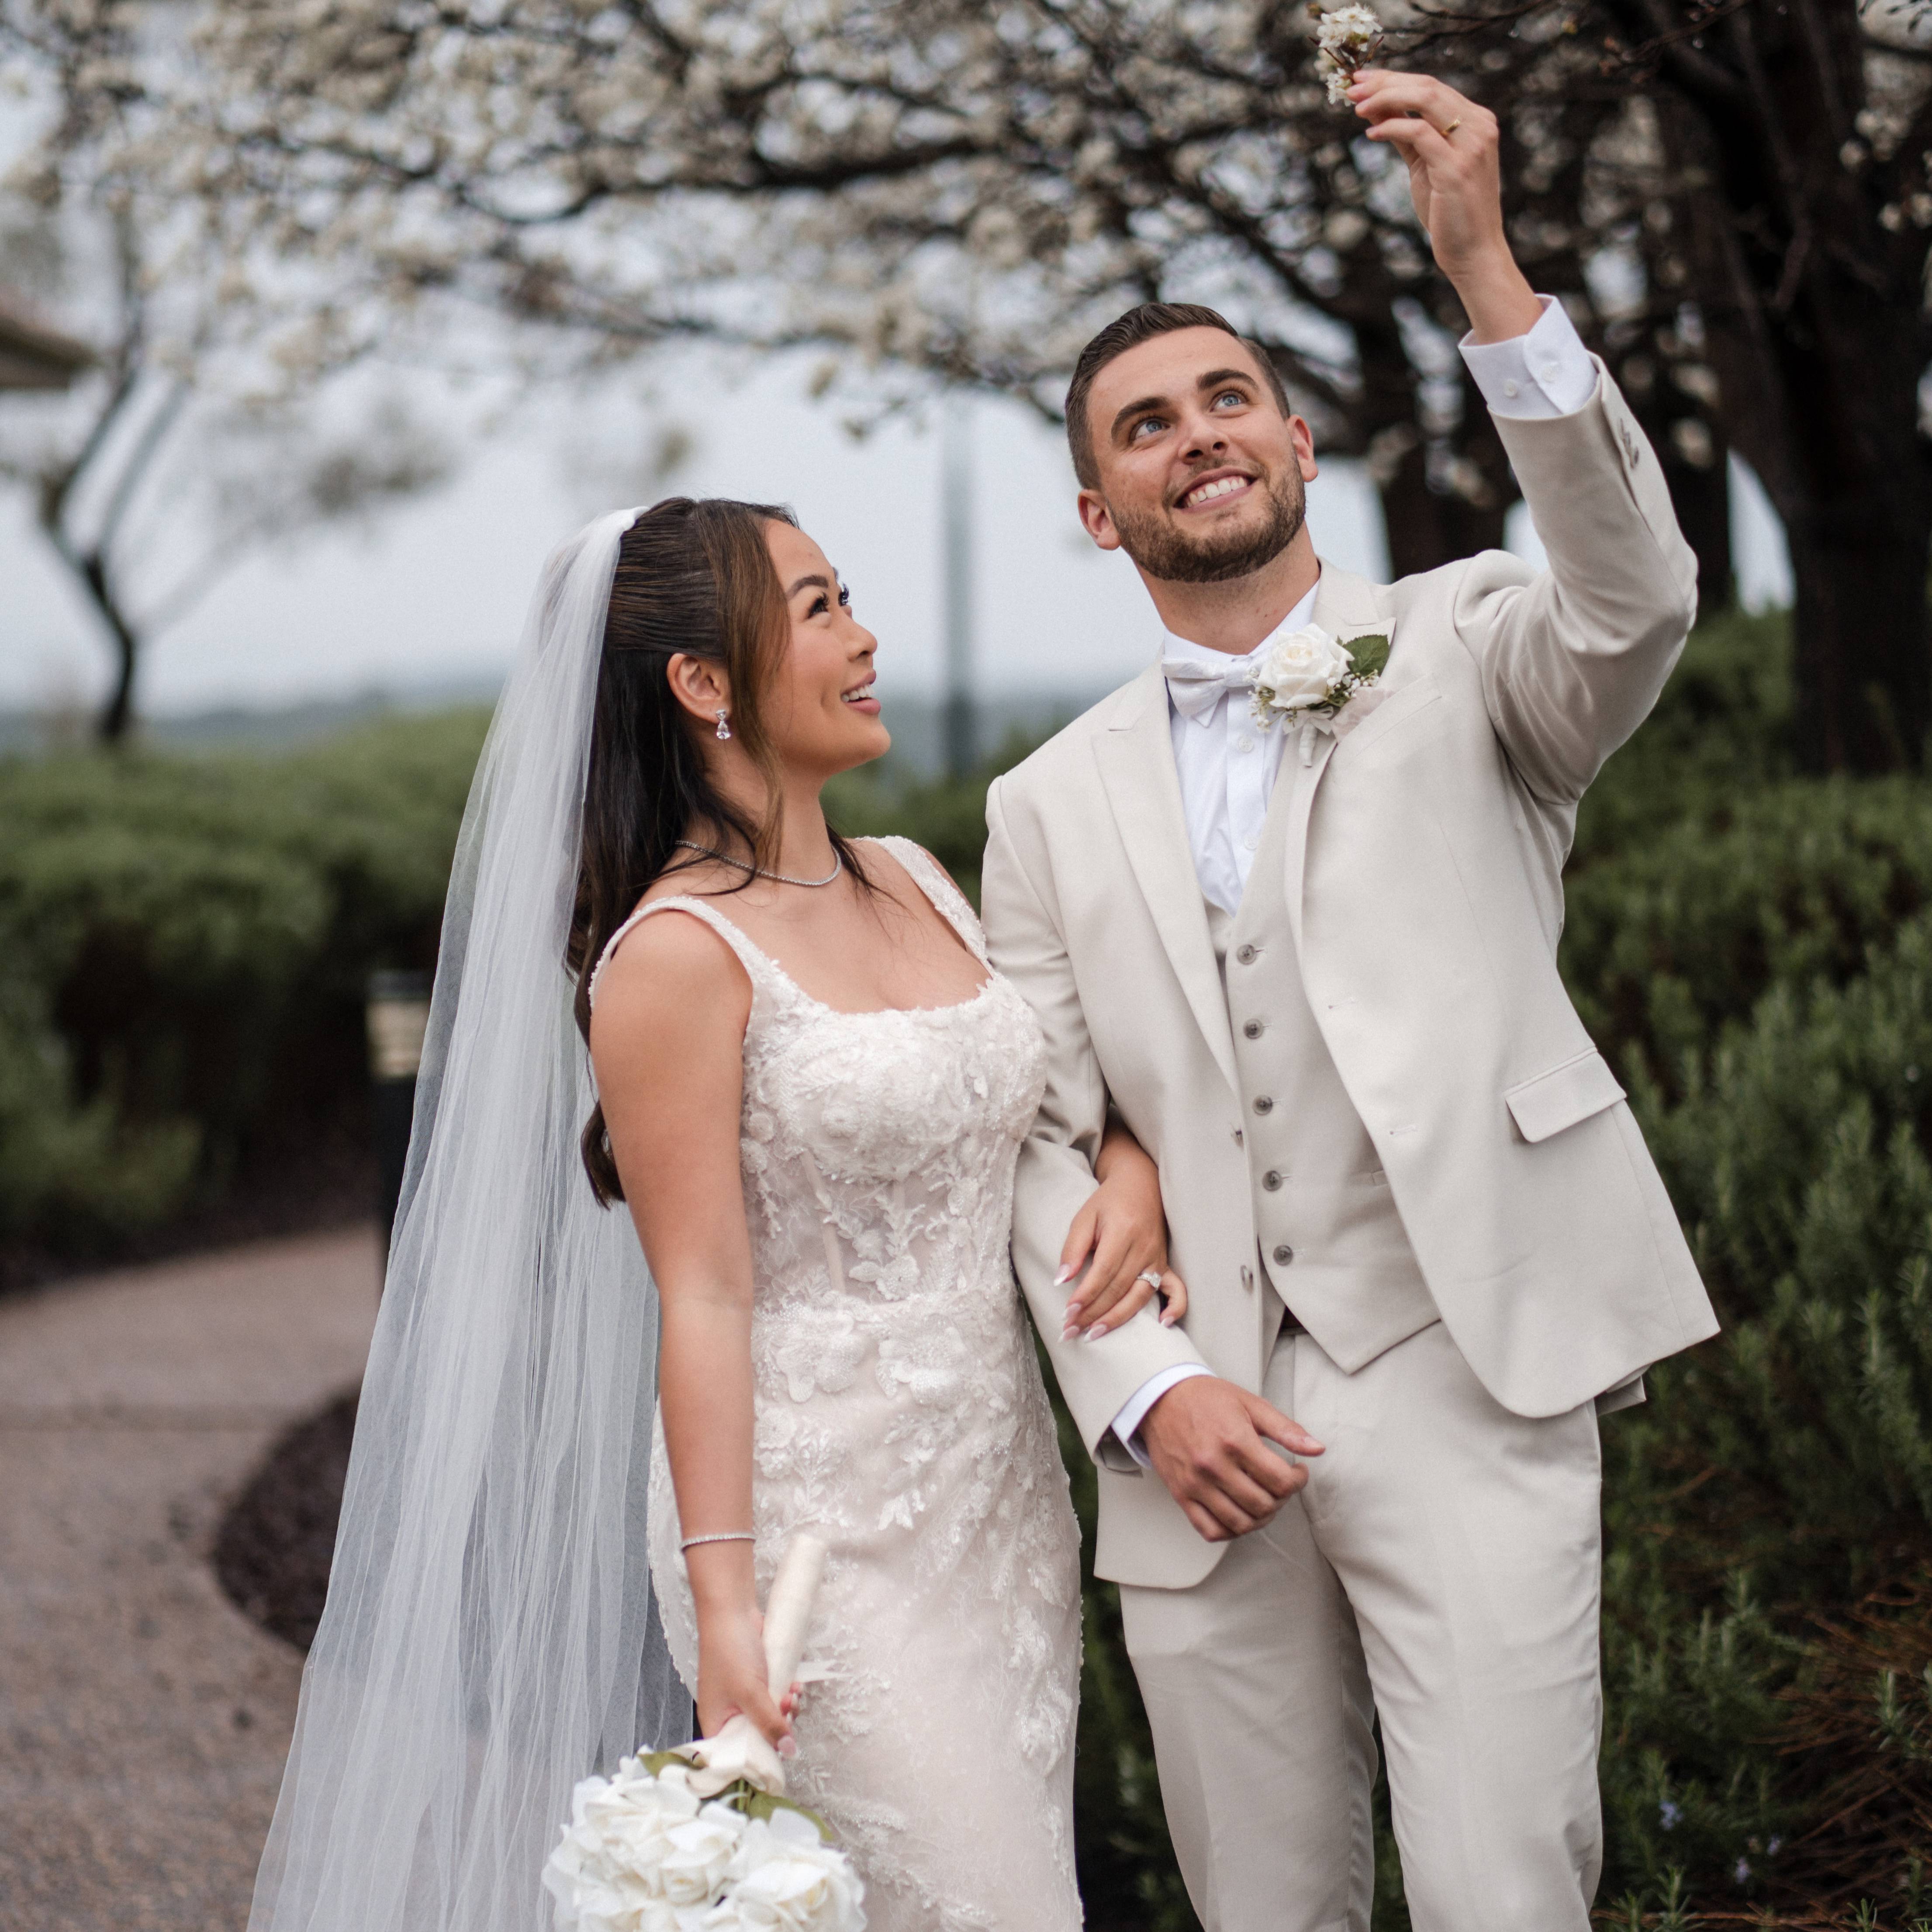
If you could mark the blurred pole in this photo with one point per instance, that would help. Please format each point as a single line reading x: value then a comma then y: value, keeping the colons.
x: 956, y: 499
x: 398, y: 1016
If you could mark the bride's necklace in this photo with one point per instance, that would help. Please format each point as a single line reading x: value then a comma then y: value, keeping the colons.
x: 758, y: 871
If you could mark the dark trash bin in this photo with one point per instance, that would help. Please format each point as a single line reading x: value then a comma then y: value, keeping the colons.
x: 398, y: 1016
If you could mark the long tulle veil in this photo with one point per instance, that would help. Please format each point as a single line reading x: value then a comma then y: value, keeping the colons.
x: 489, y: 1637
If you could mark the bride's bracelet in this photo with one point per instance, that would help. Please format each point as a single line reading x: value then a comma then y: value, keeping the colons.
x: 723, y: 1536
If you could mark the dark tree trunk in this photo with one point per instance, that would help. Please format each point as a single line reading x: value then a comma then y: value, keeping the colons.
x: 1827, y: 414
x: 1815, y: 328
x: 117, y: 715
x: 1700, y: 493
x: 1442, y: 498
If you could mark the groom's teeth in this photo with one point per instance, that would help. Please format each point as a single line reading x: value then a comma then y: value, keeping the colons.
x: 1222, y: 486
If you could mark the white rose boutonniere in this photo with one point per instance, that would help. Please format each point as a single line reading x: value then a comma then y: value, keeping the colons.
x: 1307, y: 677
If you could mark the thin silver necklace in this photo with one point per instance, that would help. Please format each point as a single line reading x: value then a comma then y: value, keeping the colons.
x: 758, y: 871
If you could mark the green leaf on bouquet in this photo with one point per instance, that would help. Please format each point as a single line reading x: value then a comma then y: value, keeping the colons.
x: 743, y: 1796
x: 1370, y: 654
x: 757, y: 1804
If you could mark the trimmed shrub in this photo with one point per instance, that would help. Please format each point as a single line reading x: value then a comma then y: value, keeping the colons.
x: 185, y: 943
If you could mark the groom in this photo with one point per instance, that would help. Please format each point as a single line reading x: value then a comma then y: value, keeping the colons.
x: 1312, y: 963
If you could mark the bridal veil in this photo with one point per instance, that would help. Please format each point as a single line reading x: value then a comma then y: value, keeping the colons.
x: 489, y: 1637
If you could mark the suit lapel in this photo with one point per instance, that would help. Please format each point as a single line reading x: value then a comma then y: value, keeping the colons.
x: 1136, y: 759
x: 1346, y: 606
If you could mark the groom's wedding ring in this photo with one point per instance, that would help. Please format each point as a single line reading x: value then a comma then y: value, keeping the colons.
x: 1452, y: 127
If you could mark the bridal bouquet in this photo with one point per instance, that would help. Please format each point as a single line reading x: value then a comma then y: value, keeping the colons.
x: 703, y: 1839
x: 644, y: 1852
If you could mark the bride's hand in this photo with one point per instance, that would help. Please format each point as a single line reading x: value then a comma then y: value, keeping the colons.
x: 1118, y: 1238
x: 731, y: 1679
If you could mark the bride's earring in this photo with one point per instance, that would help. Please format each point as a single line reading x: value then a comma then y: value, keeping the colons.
x: 724, y: 729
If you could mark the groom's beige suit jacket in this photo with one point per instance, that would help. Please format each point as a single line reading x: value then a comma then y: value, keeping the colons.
x: 1421, y: 889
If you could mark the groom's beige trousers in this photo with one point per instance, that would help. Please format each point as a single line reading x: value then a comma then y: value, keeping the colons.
x: 1440, y: 1569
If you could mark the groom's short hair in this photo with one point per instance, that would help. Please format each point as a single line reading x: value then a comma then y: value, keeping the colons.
x: 1139, y: 325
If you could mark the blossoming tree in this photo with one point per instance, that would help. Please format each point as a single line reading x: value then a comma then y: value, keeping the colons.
x: 947, y: 187
x: 190, y: 438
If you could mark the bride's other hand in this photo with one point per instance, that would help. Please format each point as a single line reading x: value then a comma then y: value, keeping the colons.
x: 1117, y: 1239
x: 731, y: 1676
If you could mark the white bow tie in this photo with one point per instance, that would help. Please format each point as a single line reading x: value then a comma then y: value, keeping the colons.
x: 1195, y: 688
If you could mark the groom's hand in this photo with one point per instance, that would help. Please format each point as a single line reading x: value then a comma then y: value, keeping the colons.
x: 1213, y: 1445
x: 1451, y: 146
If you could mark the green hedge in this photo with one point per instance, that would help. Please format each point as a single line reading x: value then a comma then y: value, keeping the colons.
x: 182, y: 949
x: 183, y: 945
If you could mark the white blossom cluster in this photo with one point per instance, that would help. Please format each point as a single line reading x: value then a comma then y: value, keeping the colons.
x: 914, y: 187
x: 642, y: 1853
x: 1347, y: 37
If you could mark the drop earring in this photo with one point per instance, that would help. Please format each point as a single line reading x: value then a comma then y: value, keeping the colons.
x: 724, y: 729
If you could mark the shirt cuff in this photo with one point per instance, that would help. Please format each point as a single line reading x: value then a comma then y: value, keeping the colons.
x: 1546, y: 372
x: 1127, y: 1424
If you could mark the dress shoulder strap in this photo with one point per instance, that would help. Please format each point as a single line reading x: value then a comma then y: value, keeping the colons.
x: 948, y: 901
x: 765, y: 975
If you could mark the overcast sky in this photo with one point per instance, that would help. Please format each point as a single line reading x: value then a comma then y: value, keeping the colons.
x: 435, y: 591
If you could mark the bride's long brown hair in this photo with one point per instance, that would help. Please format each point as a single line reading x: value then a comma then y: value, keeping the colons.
x: 694, y: 575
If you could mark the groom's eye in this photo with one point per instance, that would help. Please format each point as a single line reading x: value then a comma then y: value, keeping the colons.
x: 1229, y: 396
x: 1145, y: 423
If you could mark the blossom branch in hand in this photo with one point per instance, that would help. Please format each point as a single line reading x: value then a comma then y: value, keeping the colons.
x: 1348, y: 38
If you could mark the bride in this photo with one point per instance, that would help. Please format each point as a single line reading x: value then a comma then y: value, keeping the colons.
x: 809, y: 1088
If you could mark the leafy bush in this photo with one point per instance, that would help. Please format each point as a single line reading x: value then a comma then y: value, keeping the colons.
x: 185, y: 944
x: 1751, y: 949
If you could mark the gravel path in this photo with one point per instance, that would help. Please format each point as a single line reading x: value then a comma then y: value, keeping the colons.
x: 143, y: 1719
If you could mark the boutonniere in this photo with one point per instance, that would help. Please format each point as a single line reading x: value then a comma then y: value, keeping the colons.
x: 1307, y: 677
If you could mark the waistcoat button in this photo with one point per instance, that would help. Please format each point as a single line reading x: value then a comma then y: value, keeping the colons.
x: 1284, y: 1254
x: 1252, y: 1029
x: 1245, y: 954
x: 1272, y: 1179
x: 1263, y: 1104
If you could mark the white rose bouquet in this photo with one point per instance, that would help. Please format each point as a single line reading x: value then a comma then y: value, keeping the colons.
x: 704, y: 1839
x: 644, y: 1851
x: 1307, y: 677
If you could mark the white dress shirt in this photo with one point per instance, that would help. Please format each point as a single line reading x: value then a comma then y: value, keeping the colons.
x: 1228, y: 765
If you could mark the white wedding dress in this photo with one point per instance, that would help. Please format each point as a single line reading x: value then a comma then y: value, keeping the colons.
x: 900, y: 1415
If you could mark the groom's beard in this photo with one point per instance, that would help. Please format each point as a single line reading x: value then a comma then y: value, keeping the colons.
x: 1172, y: 556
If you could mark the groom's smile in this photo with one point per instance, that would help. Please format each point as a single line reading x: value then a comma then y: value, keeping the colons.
x: 1221, y: 486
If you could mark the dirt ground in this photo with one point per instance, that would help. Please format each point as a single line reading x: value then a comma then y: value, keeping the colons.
x: 143, y: 1719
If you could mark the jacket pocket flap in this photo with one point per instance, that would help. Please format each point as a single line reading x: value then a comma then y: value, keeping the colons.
x: 1563, y: 1096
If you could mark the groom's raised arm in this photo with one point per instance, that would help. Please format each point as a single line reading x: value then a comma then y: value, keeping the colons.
x: 1571, y: 659
x: 1055, y: 1174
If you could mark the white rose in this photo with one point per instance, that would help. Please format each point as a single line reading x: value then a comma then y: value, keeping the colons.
x: 698, y: 1854
x: 1302, y: 668
x: 786, y: 1878
x: 609, y: 1868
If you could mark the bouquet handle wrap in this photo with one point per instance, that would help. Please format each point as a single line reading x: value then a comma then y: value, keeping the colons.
x: 740, y: 1750
x: 788, y: 1609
